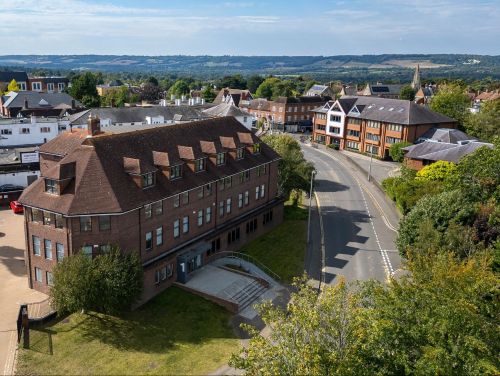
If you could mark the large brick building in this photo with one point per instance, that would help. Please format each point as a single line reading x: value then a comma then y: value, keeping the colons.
x: 175, y: 194
x: 288, y: 112
x: 372, y: 125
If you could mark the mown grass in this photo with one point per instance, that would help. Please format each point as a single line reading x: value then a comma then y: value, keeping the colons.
x: 283, y: 249
x: 175, y: 333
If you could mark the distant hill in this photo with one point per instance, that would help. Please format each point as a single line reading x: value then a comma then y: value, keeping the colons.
x: 320, y: 67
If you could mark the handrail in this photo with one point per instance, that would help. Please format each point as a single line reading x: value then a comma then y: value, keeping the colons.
x: 245, y: 257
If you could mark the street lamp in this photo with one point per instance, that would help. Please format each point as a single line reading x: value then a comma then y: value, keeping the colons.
x: 371, y: 158
x: 310, y: 199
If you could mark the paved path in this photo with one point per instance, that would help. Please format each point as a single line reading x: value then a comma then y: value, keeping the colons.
x: 359, y: 224
x: 13, y: 285
x: 380, y: 169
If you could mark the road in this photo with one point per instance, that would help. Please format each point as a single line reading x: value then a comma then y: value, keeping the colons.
x: 358, y: 224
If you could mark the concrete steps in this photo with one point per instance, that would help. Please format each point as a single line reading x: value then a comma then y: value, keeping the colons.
x: 248, y: 294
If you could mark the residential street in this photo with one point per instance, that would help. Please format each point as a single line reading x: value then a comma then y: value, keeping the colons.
x: 358, y: 238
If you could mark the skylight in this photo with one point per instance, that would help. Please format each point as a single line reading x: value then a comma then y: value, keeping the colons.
x: 381, y: 108
x: 391, y: 109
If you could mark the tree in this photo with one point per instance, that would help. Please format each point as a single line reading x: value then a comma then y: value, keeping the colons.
x: 208, y: 94
x: 438, y: 171
x: 294, y: 172
x: 407, y: 93
x: 149, y: 92
x: 452, y: 101
x: 179, y: 88
x: 439, y: 318
x: 108, y: 283
x: 442, y: 210
x: 484, y: 125
x: 396, y: 152
x: 83, y: 88
x: 283, y: 89
x: 316, y: 335
x: 13, y: 86
x: 152, y: 80
x: 254, y: 82
x: 116, y: 97
x: 235, y: 81
x: 265, y: 89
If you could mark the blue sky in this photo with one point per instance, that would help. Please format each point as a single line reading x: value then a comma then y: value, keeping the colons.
x: 246, y: 27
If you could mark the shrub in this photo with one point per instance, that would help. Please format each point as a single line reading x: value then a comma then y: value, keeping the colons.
x: 396, y: 152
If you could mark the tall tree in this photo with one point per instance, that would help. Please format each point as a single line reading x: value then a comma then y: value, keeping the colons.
x: 236, y: 81
x: 407, y: 93
x: 253, y: 82
x: 451, y: 100
x: 179, y: 88
x: 265, y: 89
x: 83, y: 88
x: 484, y: 125
x: 294, y: 172
x: 208, y: 94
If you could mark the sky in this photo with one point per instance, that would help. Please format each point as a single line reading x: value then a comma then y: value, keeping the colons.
x: 246, y: 27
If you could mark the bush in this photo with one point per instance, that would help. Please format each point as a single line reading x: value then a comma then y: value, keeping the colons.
x: 108, y: 283
x: 438, y: 171
x: 441, y: 209
x: 333, y: 146
x: 396, y: 152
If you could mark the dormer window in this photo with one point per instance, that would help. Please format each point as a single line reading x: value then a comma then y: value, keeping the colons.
x: 199, y: 165
x: 51, y: 186
x: 256, y: 148
x: 221, y: 159
x: 240, y: 153
x: 175, y: 172
x: 148, y: 180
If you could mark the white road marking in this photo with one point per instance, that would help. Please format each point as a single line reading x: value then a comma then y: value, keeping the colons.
x: 389, y: 270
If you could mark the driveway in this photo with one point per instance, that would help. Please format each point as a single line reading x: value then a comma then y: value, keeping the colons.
x: 13, y: 284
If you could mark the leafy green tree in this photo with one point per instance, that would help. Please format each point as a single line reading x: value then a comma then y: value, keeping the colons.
x: 83, y: 88
x: 438, y: 171
x: 117, y: 97
x: 235, y: 81
x: 108, y: 283
x: 253, y: 82
x: 407, y: 93
x: 441, y: 317
x: 452, y: 101
x: 283, y: 89
x: 208, y: 94
x: 179, y: 88
x: 396, y: 152
x: 294, y: 171
x: 153, y: 80
x: 484, y: 125
x: 265, y: 89
x: 442, y: 210
x: 13, y: 86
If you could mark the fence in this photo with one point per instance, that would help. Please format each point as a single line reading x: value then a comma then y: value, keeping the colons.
x: 244, y: 257
x: 33, y: 314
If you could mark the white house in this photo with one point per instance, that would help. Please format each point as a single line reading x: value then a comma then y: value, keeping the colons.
x: 30, y: 131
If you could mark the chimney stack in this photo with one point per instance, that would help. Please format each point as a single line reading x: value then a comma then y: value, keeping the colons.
x: 93, y: 125
x: 25, y: 102
x: 73, y: 104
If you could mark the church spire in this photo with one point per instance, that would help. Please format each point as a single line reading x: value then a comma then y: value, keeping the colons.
x: 415, y: 84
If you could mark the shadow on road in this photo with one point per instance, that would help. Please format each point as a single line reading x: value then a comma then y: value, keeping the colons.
x: 321, y: 185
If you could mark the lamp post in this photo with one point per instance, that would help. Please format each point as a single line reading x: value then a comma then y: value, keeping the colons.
x: 310, y: 200
x: 370, y: 167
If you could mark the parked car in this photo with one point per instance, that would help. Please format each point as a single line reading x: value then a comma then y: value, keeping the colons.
x: 16, y: 207
x: 10, y: 188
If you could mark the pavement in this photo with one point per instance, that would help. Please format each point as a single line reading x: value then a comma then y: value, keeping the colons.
x: 380, y: 169
x: 13, y: 285
x: 359, y: 223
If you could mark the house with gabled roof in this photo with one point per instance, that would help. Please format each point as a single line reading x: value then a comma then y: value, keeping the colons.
x: 320, y: 91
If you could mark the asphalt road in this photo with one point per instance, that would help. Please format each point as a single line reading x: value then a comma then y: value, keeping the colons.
x: 358, y: 224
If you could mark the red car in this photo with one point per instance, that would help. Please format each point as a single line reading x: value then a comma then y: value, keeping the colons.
x: 16, y: 207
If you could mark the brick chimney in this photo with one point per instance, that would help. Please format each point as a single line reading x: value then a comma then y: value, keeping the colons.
x: 93, y: 125
x: 73, y: 104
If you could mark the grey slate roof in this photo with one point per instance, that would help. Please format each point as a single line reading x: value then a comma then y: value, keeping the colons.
x: 138, y: 114
x: 395, y: 111
x: 38, y: 100
x: 452, y: 136
x: 442, y: 151
x: 317, y: 90
x: 381, y: 89
x: 9, y: 76
x: 225, y: 109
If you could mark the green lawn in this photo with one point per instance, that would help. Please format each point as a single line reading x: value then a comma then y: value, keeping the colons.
x: 283, y: 249
x: 175, y: 333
